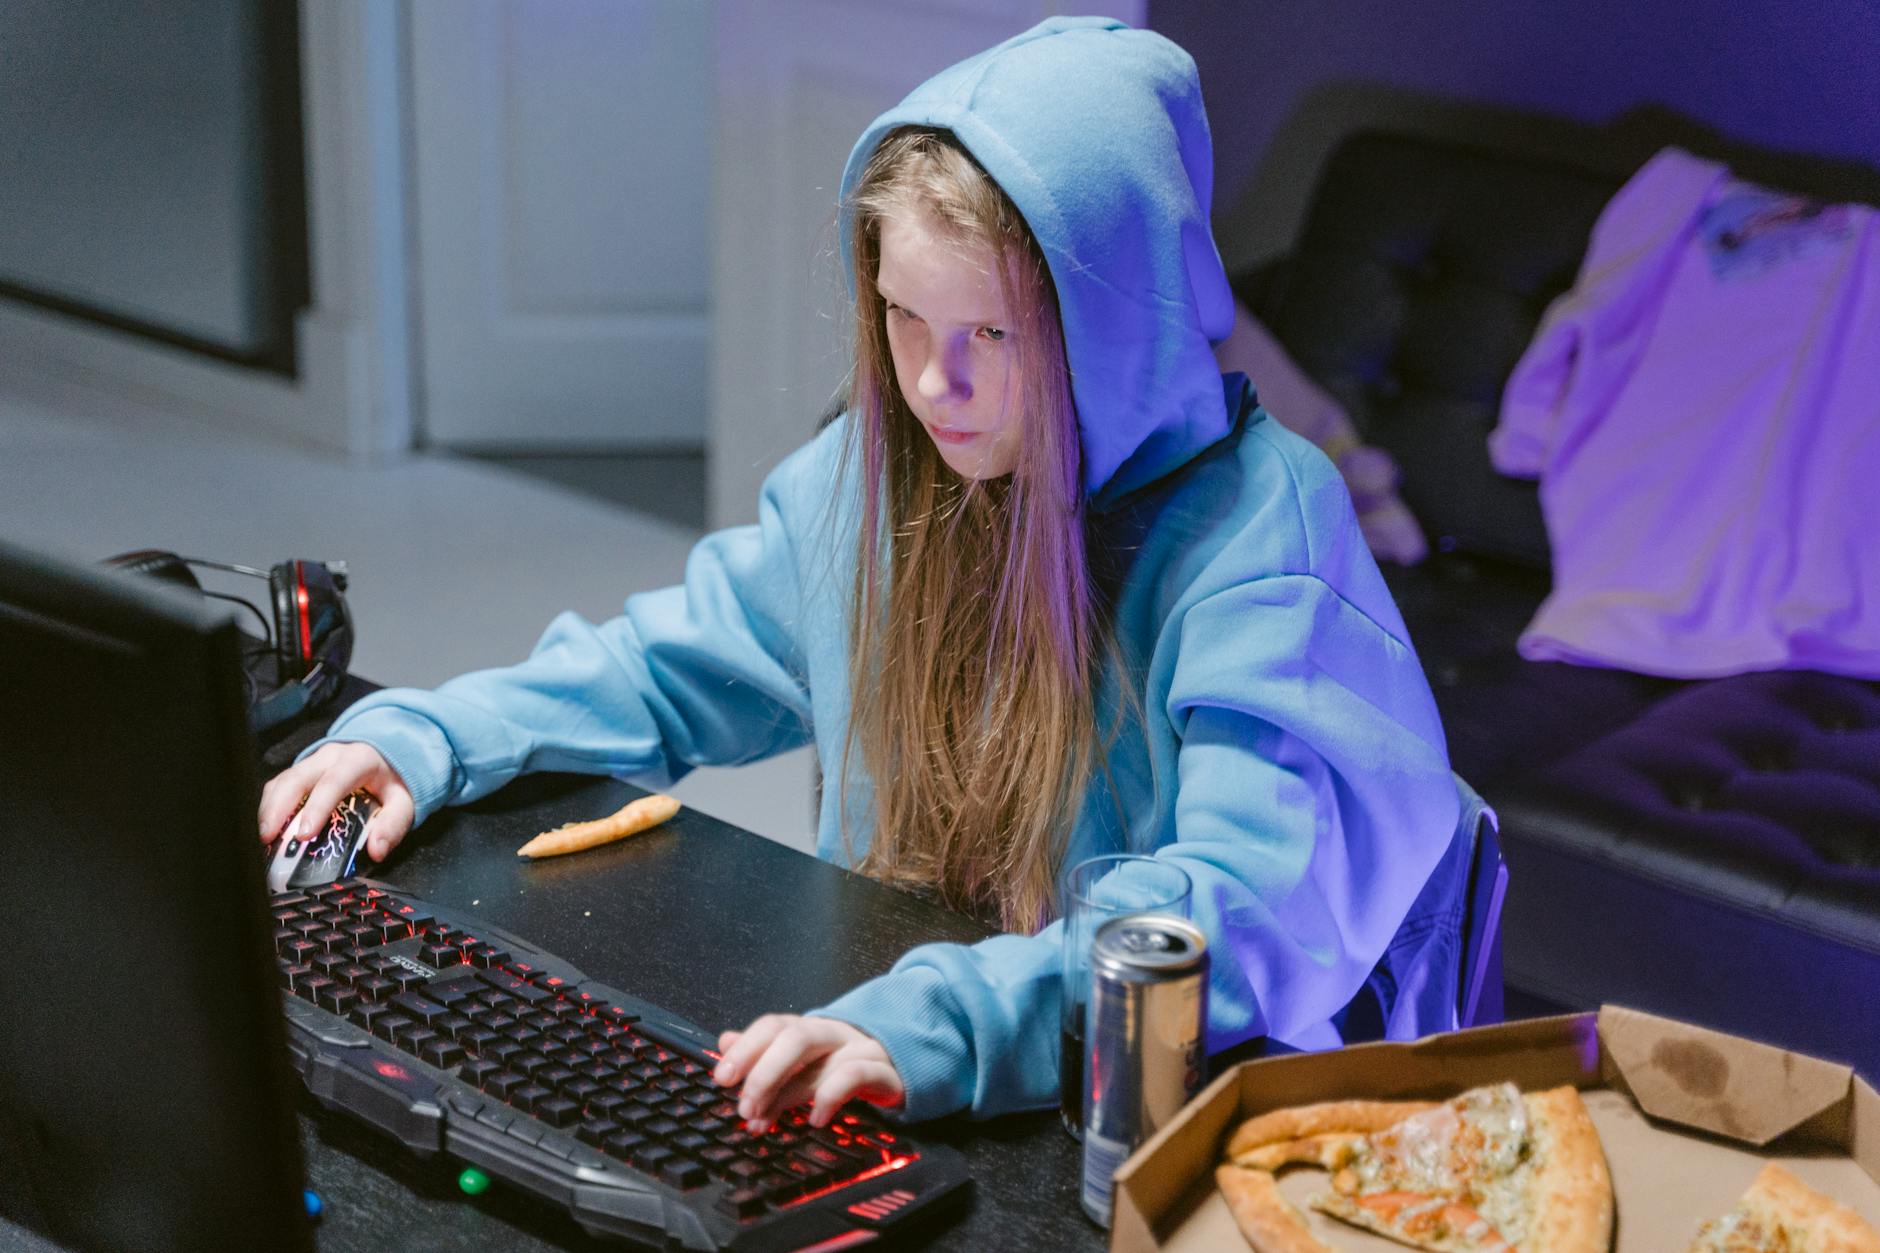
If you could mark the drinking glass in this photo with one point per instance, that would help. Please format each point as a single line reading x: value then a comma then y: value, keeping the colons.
x: 1093, y: 892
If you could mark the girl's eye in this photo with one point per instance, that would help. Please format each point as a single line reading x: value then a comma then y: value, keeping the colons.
x: 992, y: 333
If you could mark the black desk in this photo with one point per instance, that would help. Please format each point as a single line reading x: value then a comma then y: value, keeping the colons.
x: 706, y: 919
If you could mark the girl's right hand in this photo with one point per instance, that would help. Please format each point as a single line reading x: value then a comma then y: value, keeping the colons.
x: 308, y: 791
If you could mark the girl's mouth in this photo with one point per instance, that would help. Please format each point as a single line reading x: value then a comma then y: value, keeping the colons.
x: 947, y: 435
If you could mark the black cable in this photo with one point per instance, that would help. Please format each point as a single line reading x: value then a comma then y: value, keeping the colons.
x: 267, y: 632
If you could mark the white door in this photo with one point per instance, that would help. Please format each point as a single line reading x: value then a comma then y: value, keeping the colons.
x: 797, y: 82
x: 562, y: 158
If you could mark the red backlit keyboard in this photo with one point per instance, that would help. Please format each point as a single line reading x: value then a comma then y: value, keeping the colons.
x: 457, y: 1038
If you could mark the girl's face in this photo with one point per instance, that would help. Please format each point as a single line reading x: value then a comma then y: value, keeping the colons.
x: 949, y: 332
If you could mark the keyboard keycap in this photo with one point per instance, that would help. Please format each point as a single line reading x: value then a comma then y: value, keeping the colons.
x: 441, y: 1053
x: 456, y: 1026
x: 375, y: 987
x: 442, y: 956
x: 605, y: 1103
x: 623, y: 1144
x: 504, y: 1082
x: 580, y: 1088
x: 742, y: 1203
x: 294, y: 974
x: 421, y: 1008
x: 526, y: 1097
x: 650, y: 1157
x: 529, y: 994
x: 476, y: 1069
x: 826, y: 1157
x: 309, y: 987
x: 808, y: 1175
x: 778, y: 1188
x: 337, y: 999
x: 552, y: 1076
x: 453, y: 993
x: 413, y: 917
x: 476, y: 1038
x: 557, y: 1111
x: 682, y: 1172
x: 634, y: 1115
x: 528, y: 1063
x: 387, y: 1026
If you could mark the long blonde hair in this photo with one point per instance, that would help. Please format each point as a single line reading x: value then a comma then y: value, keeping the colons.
x: 975, y: 630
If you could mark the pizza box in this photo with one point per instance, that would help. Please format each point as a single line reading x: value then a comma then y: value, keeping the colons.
x: 1687, y: 1117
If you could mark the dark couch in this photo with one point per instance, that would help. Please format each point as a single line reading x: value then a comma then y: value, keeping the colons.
x: 1708, y: 850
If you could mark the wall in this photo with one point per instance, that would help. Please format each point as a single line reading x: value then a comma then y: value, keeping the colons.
x: 1792, y: 74
x: 134, y: 164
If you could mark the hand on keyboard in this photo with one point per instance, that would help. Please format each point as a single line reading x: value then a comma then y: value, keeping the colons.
x: 786, y: 1060
x: 308, y: 791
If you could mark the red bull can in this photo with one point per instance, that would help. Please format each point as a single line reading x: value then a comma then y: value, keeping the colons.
x: 1146, y: 1040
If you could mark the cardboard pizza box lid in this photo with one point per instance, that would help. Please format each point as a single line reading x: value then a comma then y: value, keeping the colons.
x: 1686, y: 1117
x: 1715, y: 1082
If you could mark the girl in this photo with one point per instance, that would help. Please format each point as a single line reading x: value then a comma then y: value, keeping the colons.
x: 1049, y: 586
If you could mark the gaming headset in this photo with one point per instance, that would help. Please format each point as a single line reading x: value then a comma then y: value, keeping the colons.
x: 309, y: 634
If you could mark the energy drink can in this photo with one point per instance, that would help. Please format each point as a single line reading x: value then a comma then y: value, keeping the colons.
x: 1146, y: 1040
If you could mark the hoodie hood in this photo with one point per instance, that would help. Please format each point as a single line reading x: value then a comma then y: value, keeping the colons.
x: 1097, y: 133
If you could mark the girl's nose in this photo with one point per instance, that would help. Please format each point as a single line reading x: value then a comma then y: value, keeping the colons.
x: 944, y: 378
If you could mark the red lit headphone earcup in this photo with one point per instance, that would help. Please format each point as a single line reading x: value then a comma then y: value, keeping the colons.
x: 284, y: 594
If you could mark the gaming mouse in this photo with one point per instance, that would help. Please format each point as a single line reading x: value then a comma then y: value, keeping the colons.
x: 297, y: 865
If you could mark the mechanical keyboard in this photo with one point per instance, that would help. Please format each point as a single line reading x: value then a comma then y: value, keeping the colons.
x: 455, y: 1037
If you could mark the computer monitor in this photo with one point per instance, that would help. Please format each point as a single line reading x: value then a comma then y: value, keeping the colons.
x: 146, y: 1100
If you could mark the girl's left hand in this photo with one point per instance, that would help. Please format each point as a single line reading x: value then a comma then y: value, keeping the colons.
x: 786, y: 1059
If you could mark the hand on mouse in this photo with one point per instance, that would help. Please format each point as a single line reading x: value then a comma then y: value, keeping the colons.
x: 308, y: 790
x: 785, y: 1060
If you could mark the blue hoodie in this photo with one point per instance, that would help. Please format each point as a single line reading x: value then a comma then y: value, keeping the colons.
x: 1292, y: 764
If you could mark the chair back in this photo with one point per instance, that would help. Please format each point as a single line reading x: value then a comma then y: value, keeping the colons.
x: 1442, y: 970
x: 1479, y: 999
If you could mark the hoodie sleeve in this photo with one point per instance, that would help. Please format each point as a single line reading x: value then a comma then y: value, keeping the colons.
x: 707, y: 673
x: 1313, y: 801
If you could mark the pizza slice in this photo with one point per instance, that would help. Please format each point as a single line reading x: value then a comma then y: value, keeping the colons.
x: 1781, y: 1214
x: 1487, y: 1171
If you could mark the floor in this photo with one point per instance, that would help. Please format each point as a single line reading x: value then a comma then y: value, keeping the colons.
x: 456, y: 563
x: 666, y: 485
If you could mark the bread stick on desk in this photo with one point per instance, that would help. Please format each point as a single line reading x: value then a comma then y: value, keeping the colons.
x: 630, y: 819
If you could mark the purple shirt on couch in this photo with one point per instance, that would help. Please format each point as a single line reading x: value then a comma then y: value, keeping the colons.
x: 1703, y: 412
